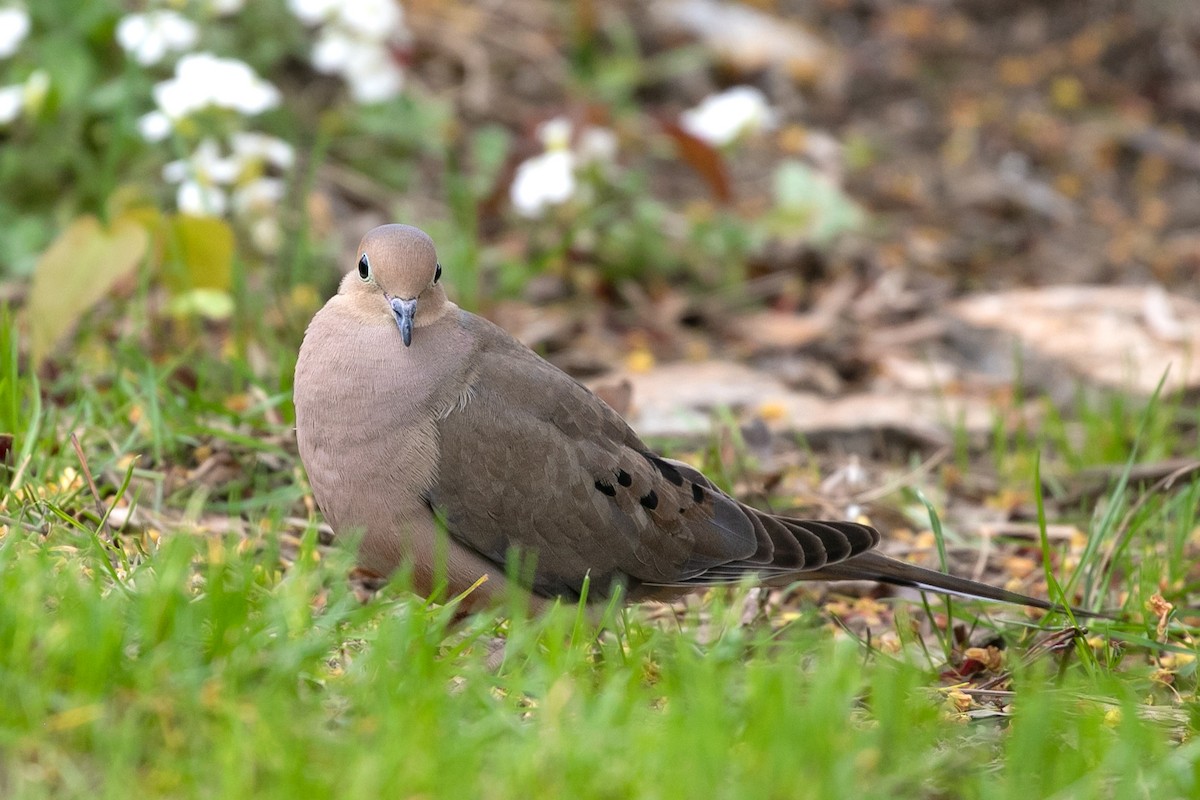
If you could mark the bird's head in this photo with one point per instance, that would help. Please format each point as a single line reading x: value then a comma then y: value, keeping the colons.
x: 398, y: 265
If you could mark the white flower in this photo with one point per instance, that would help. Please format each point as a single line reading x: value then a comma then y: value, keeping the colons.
x: 266, y: 234
x: 721, y: 118
x: 223, y: 8
x: 12, y: 100
x: 255, y: 203
x: 355, y: 42
x: 549, y: 179
x: 555, y: 134
x: 149, y: 37
x: 373, y: 75
x: 544, y: 180
x: 367, y: 66
x: 371, y: 19
x: 250, y: 146
x: 199, y: 200
x: 333, y: 50
x: 312, y: 12
x: 202, y: 80
x: 203, y: 175
x: 205, y: 164
x: 14, y: 27
x: 250, y: 152
x: 24, y: 97
x: 155, y: 126
x: 596, y: 146
x: 257, y: 197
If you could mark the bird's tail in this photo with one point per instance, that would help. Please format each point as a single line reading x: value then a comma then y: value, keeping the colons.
x: 878, y: 567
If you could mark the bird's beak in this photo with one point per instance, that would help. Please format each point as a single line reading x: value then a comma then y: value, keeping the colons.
x: 404, y: 310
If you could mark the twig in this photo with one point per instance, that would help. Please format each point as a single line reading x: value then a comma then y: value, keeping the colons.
x: 985, y: 534
x: 907, y: 479
x: 1101, y: 477
x: 17, y: 476
x: 1123, y: 530
x: 87, y: 473
x: 20, y: 523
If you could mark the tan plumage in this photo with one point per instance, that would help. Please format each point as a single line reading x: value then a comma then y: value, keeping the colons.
x: 407, y: 406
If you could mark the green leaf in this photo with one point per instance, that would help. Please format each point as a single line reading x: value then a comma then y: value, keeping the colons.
x: 78, y: 270
x: 211, y: 304
x: 811, y: 201
x: 202, y: 249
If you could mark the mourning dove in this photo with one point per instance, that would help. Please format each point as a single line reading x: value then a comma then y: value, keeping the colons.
x: 415, y: 417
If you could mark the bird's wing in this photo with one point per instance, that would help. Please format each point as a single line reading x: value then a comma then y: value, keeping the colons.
x: 532, y: 461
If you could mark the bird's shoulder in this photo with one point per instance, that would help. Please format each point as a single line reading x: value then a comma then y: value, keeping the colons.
x: 507, y: 371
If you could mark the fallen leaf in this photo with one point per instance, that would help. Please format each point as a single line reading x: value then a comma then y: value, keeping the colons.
x: 78, y: 270
x: 701, y: 156
x: 1119, y: 337
x: 203, y: 247
x: 751, y: 40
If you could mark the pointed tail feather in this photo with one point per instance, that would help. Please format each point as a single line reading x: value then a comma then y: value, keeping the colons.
x: 878, y: 567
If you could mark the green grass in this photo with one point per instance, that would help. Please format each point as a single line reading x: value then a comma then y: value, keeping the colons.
x: 204, y: 673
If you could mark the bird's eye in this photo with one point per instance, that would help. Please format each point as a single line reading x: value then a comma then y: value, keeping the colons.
x: 437, y: 273
x: 364, y: 268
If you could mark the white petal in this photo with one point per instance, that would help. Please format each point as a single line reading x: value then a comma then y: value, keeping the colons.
x: 202, y: 79
x: 721, y: 118
x: 266, y: 234
x: 311, y: 12
x: 176, y: 171
x: 149, y: 37
x: 195, y: 67
x: 258, y: 196
x: 541, y: 181
x: 155, y: 126
x: 253, y: 146
x: 200, y: 201
x: 14, y: 27
x: 280, y: 153
x: 12, y: 100
x: 376, y: 20
x: 256, y: 98
x: 333, y: 51
x: 555, y: 134
x: 223, y: 8
x: 176, y: 99
x: 208, y: 163
x: 131, y: 31
x: 178, y: 31
x: 596, y: 146
x: 373, y: 76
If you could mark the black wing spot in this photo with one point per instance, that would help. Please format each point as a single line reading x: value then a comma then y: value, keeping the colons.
x: 665, y: 469
x: 624, y: 478
x: 606, y: 488
x: 650, y: 501
x: 697, y: 493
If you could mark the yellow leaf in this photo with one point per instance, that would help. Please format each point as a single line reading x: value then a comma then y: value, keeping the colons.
x: 772, y: 411
x: 77, y: 271
x: 202, y: 250
x: 212, y: 304
x: 1067, y: 92
x: 640, y: 360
